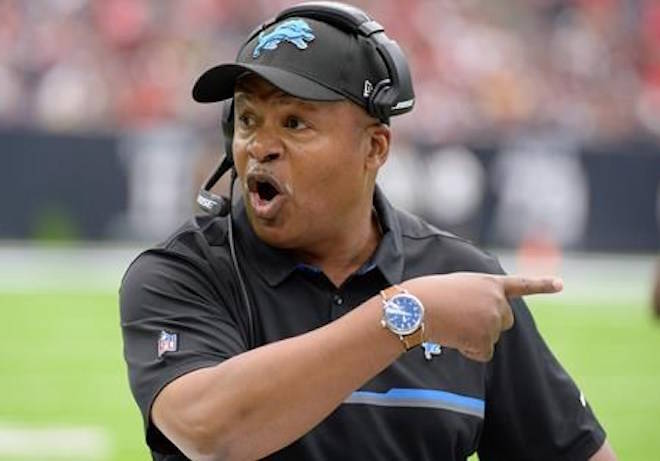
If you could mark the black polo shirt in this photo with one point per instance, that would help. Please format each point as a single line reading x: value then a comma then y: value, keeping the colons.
x: 183, y: 298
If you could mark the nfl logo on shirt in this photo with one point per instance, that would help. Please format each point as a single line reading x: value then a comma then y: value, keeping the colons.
x: 167, y: 342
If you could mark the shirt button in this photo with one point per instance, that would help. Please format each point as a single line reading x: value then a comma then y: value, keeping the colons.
x: 338, y: 300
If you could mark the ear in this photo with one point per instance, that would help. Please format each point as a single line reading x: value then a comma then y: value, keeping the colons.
x: 378, y: 136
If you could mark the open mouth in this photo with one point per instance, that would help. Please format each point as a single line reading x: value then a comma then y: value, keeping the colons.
x: 266, y: 191
x: 266, y: 187
x: 265, y: 194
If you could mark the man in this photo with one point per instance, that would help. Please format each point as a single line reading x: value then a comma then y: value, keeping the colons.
x: 366, y: 333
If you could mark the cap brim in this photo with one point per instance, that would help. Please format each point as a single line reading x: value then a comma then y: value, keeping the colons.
x: 217, y: 83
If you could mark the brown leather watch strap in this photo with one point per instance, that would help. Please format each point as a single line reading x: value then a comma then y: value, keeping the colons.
x: 414, y: 339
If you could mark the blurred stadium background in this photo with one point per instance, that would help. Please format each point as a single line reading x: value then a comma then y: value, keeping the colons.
x: 536, y: 134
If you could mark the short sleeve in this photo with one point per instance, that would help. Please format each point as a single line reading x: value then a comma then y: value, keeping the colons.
x: 163, y: 292
x: 534, y: 410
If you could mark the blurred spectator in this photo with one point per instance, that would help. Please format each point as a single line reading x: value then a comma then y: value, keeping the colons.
x: 482, y: 69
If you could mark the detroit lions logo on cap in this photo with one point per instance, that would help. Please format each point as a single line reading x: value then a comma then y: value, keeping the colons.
x: 296, y: 31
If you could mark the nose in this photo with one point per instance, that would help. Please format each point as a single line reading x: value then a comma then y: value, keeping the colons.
x: 265, y: 146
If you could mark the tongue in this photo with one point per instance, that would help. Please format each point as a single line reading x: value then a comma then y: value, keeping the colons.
x: 266, y: 208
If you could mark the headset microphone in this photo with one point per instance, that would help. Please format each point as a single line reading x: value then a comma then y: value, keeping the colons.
x: 213, y: 204
x: 208, y: 201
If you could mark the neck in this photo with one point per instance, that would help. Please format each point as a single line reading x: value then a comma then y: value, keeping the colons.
x: 341, y: 256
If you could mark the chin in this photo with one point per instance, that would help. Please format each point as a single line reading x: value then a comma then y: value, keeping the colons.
x: 274, y: 233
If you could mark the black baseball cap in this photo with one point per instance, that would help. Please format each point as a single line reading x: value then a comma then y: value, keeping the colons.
x: 303, y: 57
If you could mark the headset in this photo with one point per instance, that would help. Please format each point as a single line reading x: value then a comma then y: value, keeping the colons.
x: 381, y: 104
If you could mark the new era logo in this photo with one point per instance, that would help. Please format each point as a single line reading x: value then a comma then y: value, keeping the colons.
x: 368, y: 88
x: 167, y: 342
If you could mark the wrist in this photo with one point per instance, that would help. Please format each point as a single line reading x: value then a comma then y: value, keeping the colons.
x: 418, y: 288
x: 403, y: 316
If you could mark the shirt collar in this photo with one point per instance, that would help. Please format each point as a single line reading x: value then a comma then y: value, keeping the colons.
x: 276, y: 264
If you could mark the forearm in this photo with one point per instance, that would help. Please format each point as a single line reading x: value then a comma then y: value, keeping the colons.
x: 262, y: 400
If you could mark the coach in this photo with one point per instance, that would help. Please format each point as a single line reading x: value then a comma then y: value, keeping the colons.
x: 311, y: 319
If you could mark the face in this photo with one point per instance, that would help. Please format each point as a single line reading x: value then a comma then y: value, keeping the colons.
x: 307, y: 168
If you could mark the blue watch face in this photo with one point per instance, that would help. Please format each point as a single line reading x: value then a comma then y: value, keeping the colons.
x: 403, y: 314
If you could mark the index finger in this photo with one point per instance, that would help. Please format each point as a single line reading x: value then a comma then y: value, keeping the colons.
x: 516, y: 286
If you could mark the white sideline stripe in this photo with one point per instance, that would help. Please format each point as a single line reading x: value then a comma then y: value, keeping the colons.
x: 89, y: 443
x: 31, y: 268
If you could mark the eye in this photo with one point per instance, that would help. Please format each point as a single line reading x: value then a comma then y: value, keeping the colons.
x: 245, y: 120
x: 295, y: 123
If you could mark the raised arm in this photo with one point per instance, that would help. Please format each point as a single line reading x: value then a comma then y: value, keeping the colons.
x: 260, y: 401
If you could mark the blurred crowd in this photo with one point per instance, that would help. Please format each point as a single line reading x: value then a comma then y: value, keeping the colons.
x: 482, y: 68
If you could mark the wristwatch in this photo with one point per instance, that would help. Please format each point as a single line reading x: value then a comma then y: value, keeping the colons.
x: 403, y: 315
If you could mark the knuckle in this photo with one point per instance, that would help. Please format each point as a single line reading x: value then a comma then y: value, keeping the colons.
x: 495, y: 281
x: 485, y: 355
x: 486, y: 340
x: 489, y: 353
x: 486, y: 281
x: 526, y: 284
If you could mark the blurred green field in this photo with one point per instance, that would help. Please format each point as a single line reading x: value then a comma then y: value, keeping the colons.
x: 62, y: 366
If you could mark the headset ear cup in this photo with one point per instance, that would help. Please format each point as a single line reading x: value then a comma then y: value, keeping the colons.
x: 228, y: 127
x: 381, y: 100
